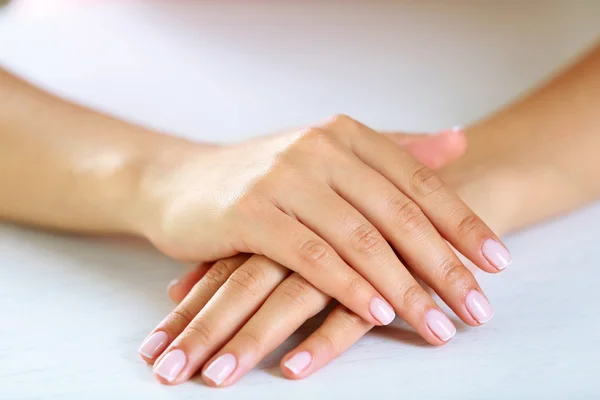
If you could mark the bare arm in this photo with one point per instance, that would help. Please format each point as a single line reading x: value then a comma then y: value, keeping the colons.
x: 67, y: 167
x: 539, y: 157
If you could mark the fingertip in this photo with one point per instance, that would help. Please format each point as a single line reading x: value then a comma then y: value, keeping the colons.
x: 220, y: 372
x: 174, y: 291
x: 457, y: 137
x: 149, y: 361
x: 209, y: 382
x: 296, y: 366
x: 453, y: 140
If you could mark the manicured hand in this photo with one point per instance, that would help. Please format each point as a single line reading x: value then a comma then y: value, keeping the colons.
x: 174, y: 325
x: 334, y: 203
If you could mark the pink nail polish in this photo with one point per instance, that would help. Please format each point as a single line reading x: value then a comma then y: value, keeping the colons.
x: 454, y: 130
x: 154, y: 344
x: 172, y: 283
x: 440, y: 325
x: 496, y: 254
x: 479, y: 307
x: 382, y: 311
x: 299, y: 362
x: 221, y: 368
x: 171, y: 365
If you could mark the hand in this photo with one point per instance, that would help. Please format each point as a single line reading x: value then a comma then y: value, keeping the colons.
x: 442, y: 148
x: 317, y: 200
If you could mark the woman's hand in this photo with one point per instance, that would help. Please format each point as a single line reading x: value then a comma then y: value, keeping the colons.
x: 241, y: 291
x: 333, y: 203
x: 247, y: 323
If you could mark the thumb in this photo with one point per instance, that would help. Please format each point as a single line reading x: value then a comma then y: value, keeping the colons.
x: 435, y: 151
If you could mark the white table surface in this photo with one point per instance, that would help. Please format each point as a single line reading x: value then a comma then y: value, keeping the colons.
x: 74, y: 310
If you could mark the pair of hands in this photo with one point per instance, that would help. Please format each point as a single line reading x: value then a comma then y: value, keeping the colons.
x: 335, y: 203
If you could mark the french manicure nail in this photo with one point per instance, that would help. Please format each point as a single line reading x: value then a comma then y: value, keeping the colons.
x: 496, y: 254
x: 479, y: 307
x: 221, y: 368
x: 298, y: 362
x: 171, y: 365
x: 440, y: 324
x: 154, y: 344
x: 382, y: 311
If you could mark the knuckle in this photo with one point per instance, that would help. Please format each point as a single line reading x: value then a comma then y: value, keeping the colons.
x: 407, y: 213
x: 314, y: 253
x: 200, y: 333
x: 347, y: 317
x: 315, y: 140
x: 218, y: 273
x: 182, y: 315
x: 366, y: 239
x: 468, y: 224
x: 317, y: 137
x: 425, y: 182
x: 353, y: 286
x: 452, y: 273
x: 295, y: 291
x: 326, y: 342
x: 340, y: 119
x: 248, y: 279
x: 410, y: 296
x: 344, y: 124
x: 251, y: 341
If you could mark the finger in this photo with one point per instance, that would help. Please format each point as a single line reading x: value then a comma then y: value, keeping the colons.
x: 303, y: 251
x: 358, y: 242
x: 182, y: 315
x: 434, y: 151
x: 179, y: 288
x: 453, y: 219
x: 288, y: 307
x: 233, y: 304
x: 403, y: 224
x: 340, y: 330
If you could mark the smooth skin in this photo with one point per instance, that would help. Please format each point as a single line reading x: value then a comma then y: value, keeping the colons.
x: 533, y: 160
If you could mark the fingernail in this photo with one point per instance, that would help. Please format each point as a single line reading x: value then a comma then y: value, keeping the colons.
x: 298, y: 362
x: 382, y: 311
x: 154, y: 344
x: 496, y: 254
x: 171, y: 365
x: 440, y: 324
x: 479, y: 307
x: 454, y: 129
x: 221, y: 368
x: 172, y: 283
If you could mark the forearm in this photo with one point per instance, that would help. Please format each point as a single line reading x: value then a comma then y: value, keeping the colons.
x: 67, y: 167
x: 538, y: 157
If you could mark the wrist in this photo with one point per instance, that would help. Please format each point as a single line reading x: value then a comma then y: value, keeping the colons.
x: 157, y: 171
x: 488, y: 183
